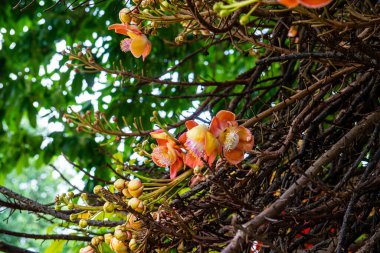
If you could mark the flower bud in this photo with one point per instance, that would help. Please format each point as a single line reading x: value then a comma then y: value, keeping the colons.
x: 224, y: 13
x: 95, y: 241
x: 70, y: 195
x: 70, y: 206
x: 73, y: 216
x: 87, y: 249
x: 118, y: 246
x: 124, y: 16
x: 122, y: 235
x: 84, y: 196
x: 83, y: 223
x: 197, y: 170
x: 133, y: 244
x: 136, y: 205
x: 244, y: 20
x: 218, y: 6
x: 108, y: 207
x: 126, y: 193
x: 119, y: 184
x: 107, y: 238
x: 135, y: 187
x: 97, y: 189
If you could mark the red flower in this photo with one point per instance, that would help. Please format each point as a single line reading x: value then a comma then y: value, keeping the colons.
x: 167, y: 153
x: 307, y: 3
x: 234, y: 139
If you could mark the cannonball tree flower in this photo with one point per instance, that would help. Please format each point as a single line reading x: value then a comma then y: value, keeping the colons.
x: 234, y: 139
x: 200, y: 144
x: 138, y: 43
x: 167, y: 153
x: 306, y: 3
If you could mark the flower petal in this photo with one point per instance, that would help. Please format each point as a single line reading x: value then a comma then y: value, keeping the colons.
x: 289, y: 3
x: 190, y: 124
x: 211, y: 144
x: 234, y: 156
x: 245, y: 146
x: 192, y: 161
x: 175, y: 167
x: 220, y: 122
x: 244, y: 134
x: 119, y: 28
x: 138, y: 45
x: 182, y: 139
x: 160, y: 136
x: 224, y: 115
x: 147, y: 50
x: 315, y: 3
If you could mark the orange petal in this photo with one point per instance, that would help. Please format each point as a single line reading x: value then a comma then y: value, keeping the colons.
x: 138, y: 45
x: 147, y: 50
x: 190, y: 124
x: 289, y: 3
x: 234, y: 156
x: 224, y: 115
x: 211, y: 144
x: 182, y: 139
x: 245, y: 146
x: 119, y: 28
x: 315, y: 3
x: 192, y: 161
x: 220, y: 122
x: 134, y: 30
x: 176, y: 166
x: 160, y: 136
x: 244, y: 134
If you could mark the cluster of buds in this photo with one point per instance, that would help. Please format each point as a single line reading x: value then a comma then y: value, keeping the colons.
x: 122, y: 240
x: 131, y: 190
x: 64, y: 200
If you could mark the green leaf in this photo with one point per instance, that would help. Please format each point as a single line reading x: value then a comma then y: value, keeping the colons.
x: 55, y: 246
x: 76, y: 86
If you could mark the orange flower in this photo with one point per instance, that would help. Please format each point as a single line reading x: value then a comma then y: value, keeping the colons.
x: 200, y: 143
x: 167, y: 153
x: 138, y: 43
x: 307, y: 3
x: 234, y: 139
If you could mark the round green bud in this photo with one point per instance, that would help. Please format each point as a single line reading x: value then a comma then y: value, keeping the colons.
x: 73, y: 216
x: 70, y: 195
x: 218, y: 6
x: 84, y: 196
x: 224, y: 13
x: 244, y: 20
x: 70, y: 206
x: 83, y: 223
x: 108, y: 207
